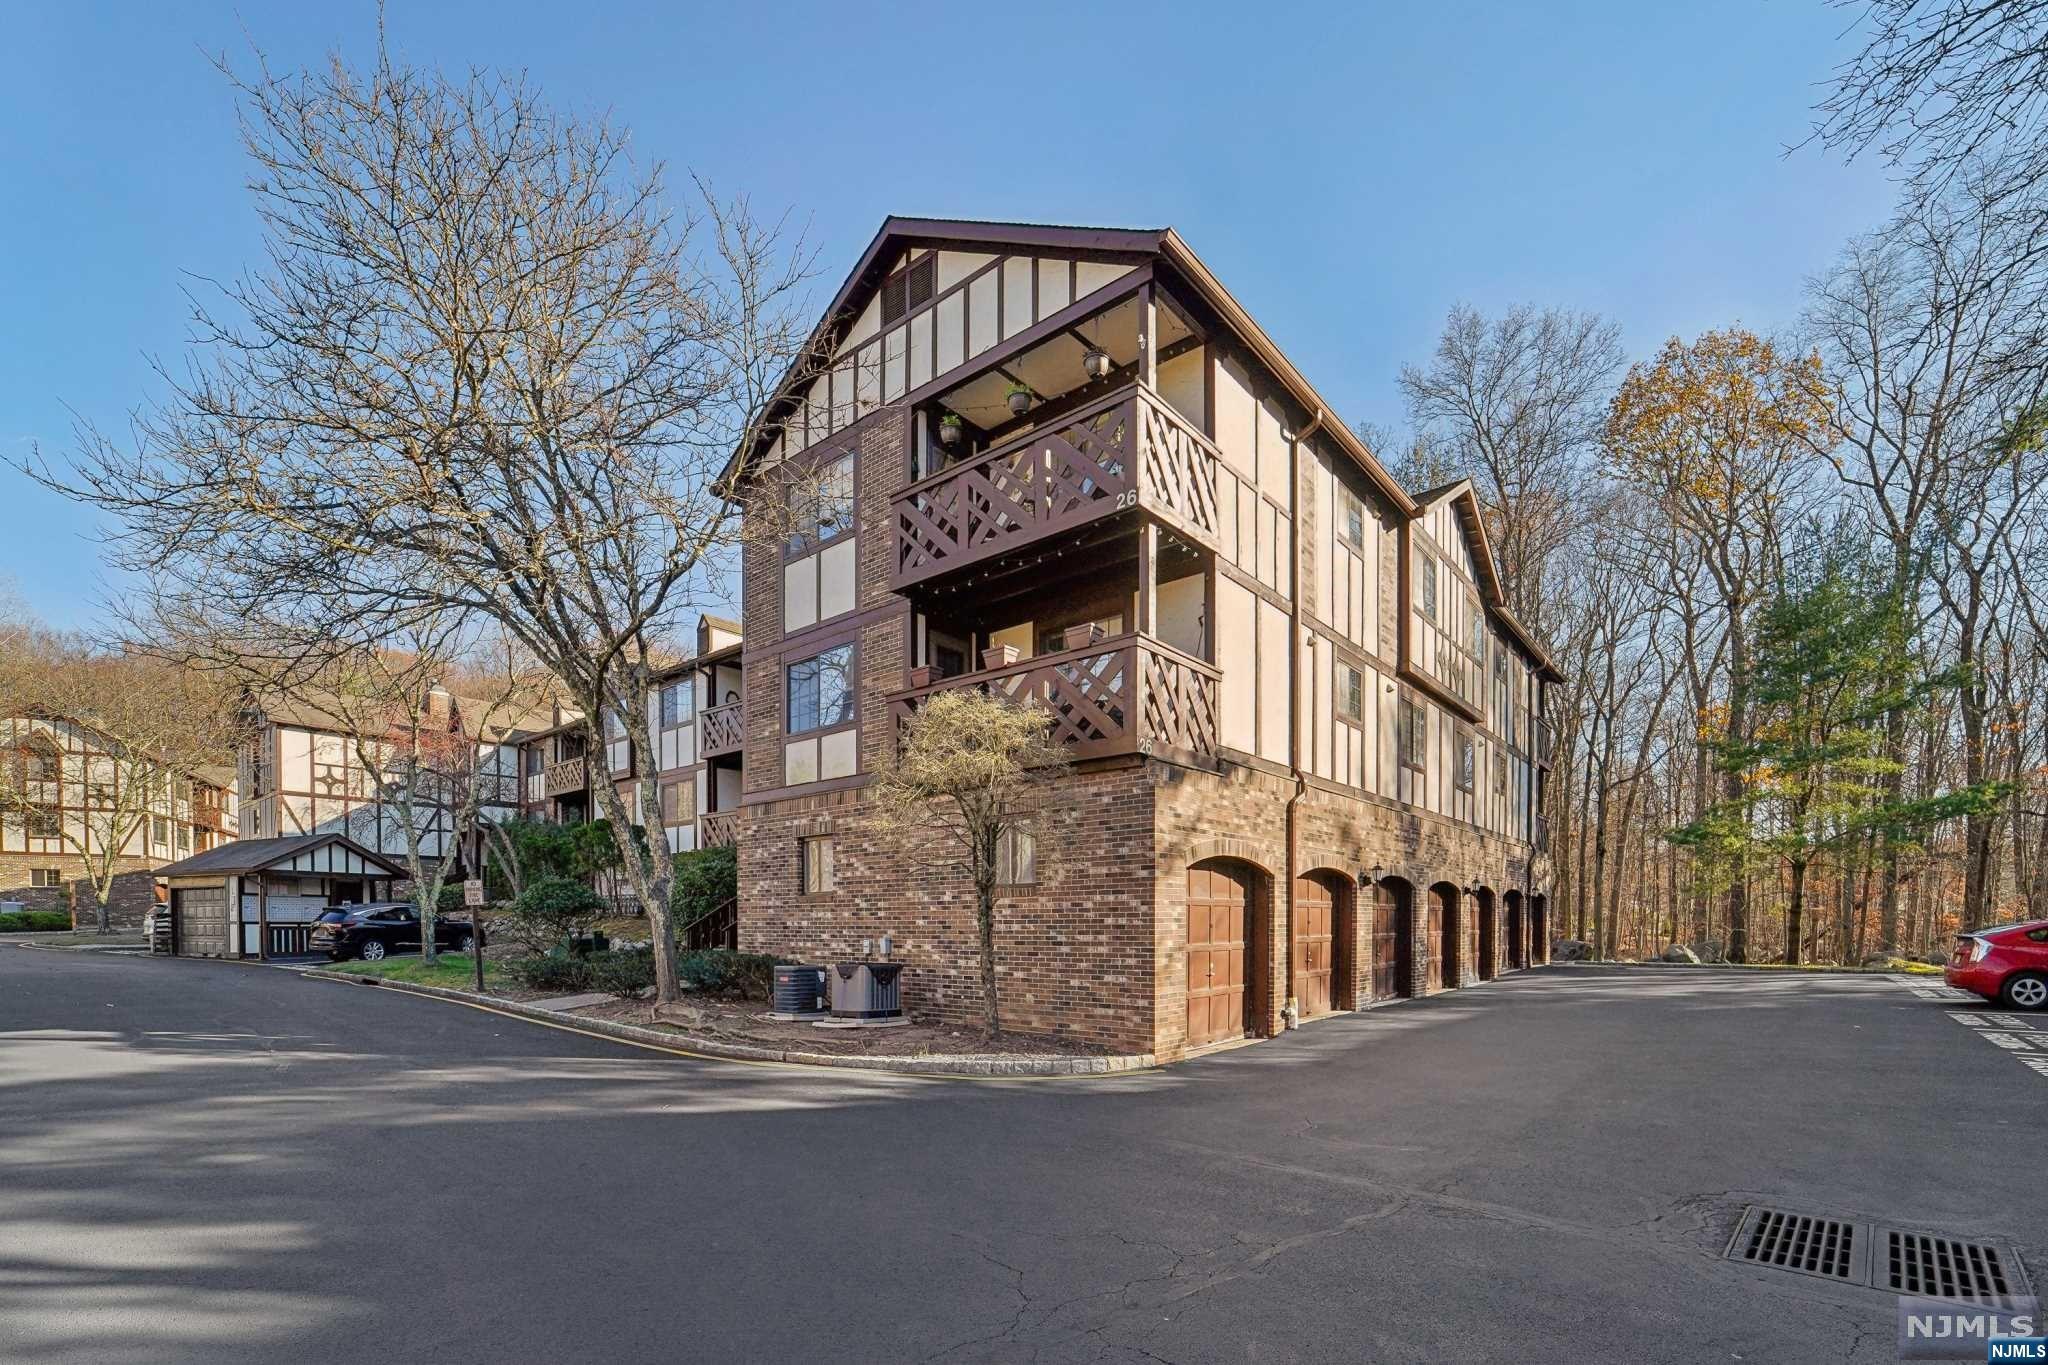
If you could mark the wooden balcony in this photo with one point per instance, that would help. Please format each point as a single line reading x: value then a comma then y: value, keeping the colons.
x: 718, y: 829
x: 565, y: 776
x: 1126, y: 695
x: 720, y: 730
x: 1126, y: 450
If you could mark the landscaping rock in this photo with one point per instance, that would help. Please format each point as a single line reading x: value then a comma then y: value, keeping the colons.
x: 1678, y: 952
x: 1709, y: 950
x: 1570, y: 950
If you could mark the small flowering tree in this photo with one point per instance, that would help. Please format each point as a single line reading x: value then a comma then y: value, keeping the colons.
x: 971, y: 771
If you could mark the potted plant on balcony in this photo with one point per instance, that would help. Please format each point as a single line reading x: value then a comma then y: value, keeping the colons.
x: 1018, y: 395
x: 949, y: 430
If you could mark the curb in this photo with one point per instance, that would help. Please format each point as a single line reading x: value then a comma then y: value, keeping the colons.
x: 692, y: 1045
x: 1778, y: 968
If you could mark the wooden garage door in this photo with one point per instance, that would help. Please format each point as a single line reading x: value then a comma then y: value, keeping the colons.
x: 1486, y: 908
x: 201, y: 920
x: 1219, y: 927
x: 1438, y: 943
x: 1315, y: 942
x: 1390, y: 931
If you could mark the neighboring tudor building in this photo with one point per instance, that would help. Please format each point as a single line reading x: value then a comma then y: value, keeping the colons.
x: 300, y: 773
x: 693, y: 717
x: 1311, y: 754
x: 72, y: 779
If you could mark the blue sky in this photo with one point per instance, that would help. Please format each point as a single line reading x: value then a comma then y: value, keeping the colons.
x: 1349, y: 171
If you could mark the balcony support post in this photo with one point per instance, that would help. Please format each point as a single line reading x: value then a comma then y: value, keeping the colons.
x: 1148, y: 577
x: 1148, y: 333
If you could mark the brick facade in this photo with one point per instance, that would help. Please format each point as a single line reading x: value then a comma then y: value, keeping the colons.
x: 134, y: 888
x: 1096, y: 951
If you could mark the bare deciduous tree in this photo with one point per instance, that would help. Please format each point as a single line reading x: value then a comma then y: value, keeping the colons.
x: 487, y: 371
x: 1518, y: 402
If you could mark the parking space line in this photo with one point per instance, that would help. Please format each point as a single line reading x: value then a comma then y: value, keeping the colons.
x: 2020, y: 1036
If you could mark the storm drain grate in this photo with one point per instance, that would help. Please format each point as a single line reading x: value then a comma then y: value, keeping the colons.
x: 1826, y: 1247
x: 1945, y: 1268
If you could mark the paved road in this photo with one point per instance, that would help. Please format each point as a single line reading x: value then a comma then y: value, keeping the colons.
x: 211, y: 1162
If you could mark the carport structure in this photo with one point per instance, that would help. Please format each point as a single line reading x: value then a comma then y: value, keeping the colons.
x: 258, y: 898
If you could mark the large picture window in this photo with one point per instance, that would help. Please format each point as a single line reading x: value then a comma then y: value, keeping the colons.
x: 820, y: 691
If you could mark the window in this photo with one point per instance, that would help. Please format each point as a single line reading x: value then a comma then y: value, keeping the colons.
x: 1350, y: 692
x: 678, y: 802
x: 1465, y: 775
x: 46, y: 876
x: 821, y: 691
x: 1426, y: 569
x: 678, y: 703
x: 1412, y: 736
x: 1352, y: 513
x: 1017, y: 858
x: 184, y: 838
x: 43, y: 824
x: 1478, y: 629
x: 159, y: 830
x: 1500, y: 667
x: 821, y: 505
x: 40, y: 764
x: 816, y: 856
x: 1500, y: 774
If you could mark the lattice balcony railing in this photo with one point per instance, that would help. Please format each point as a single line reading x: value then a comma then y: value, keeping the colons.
x: 720, y: 730
x: 718, y: 829
x: 1127, y: 450
x: 1125, y: 695
x: 565, y: 776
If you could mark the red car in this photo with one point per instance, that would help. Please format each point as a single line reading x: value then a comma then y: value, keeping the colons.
x: 2008, y: 964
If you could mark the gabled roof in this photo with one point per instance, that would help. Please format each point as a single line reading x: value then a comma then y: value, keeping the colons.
x: 1473, y: 521
x: 239, y: 857
x: 1156, y: 244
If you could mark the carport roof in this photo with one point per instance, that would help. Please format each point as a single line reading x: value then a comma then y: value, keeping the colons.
x: 240, y: 856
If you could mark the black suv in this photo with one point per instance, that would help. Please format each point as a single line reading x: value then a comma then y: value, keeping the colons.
x: 374, y: 931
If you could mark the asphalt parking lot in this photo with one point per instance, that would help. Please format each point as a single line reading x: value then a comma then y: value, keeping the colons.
x: 211, y: 1162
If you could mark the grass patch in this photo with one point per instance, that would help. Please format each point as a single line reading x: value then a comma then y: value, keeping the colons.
x: 454, y: 970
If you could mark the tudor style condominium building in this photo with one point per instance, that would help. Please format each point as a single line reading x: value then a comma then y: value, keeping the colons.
x: 693, y: 719
x: 1064, y: 465
x: 78, y: 806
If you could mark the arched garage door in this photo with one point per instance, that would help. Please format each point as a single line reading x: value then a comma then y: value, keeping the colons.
x: 1219, y: 941
x: 1315, y: 946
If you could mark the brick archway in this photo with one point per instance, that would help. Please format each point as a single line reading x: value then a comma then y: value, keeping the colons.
x: 1518, y: 931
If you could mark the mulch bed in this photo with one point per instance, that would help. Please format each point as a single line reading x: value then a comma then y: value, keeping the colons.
x: 746, y: 1022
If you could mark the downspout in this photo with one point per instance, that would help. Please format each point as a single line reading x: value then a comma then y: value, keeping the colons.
x: 1290, y: 1014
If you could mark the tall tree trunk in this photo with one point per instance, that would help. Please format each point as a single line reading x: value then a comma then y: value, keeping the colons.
x: 1731, y: 783
x: 985, y: 926
x: 1795, y: 911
